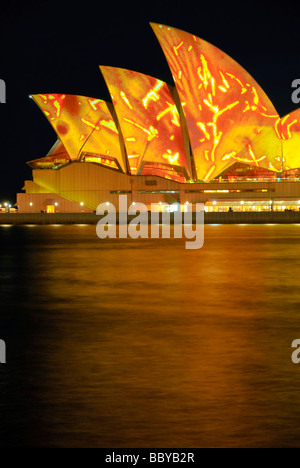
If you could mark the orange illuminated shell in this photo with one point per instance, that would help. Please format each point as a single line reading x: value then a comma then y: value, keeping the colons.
x: 227, y: 114
x: 290, y: 134
x: 85, y: 127
x: 148, y: 118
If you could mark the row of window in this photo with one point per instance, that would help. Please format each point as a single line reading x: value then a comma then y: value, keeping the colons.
x: 149, y: 192
x: 254, y: 208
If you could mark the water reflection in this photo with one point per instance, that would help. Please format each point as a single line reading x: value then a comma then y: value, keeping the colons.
x: 141, y: 343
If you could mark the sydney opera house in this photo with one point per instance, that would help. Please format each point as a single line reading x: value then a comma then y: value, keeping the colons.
x: 211, y: 137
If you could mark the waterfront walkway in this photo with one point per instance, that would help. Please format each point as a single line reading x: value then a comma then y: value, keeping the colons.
x: 277, y: 217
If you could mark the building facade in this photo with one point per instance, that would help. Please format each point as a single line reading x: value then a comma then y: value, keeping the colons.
x: 214, y: 137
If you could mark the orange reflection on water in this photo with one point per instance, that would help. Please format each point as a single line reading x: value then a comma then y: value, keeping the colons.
x: 142, y: 343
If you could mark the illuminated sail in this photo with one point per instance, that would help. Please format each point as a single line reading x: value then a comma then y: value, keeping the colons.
x: 289, y: 129
x: 149, y: 121
x: 85, y: 127
x: 229, y: 117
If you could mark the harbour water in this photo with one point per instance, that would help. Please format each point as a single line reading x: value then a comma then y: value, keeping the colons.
x: 142, y: 343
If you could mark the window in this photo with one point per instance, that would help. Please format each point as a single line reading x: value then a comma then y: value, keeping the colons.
x: 149, y: 183
x: 158, y: 191
x: 120, y: 192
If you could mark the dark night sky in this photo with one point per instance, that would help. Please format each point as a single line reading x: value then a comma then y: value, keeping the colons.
x: 57, y: 47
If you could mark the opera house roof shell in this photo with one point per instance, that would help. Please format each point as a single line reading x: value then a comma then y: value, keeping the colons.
x: 214, y: 117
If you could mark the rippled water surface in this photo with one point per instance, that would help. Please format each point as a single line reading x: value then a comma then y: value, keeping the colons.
x: 141, y: 343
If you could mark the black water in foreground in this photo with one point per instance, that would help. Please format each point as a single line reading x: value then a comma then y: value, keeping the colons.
x: 141, y: 343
